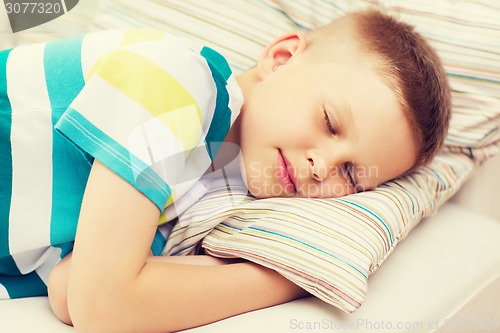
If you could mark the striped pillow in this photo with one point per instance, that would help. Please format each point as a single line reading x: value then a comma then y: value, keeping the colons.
x: 329, y: 247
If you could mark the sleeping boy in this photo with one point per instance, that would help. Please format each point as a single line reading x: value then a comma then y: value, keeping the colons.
x: 101, y: 133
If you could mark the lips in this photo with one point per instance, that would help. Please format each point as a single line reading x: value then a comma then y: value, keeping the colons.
x: 284, y: 173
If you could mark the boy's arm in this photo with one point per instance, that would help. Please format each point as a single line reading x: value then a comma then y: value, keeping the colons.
x: 112, y: 287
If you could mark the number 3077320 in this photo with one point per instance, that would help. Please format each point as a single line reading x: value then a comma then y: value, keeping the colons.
x: 33, y: 8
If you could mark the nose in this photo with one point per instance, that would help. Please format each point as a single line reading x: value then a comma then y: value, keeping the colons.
x: 319, y: 167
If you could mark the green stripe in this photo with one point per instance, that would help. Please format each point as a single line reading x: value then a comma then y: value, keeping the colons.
x: 217, y: 61
x: 29, y: 285
x: 5, y: 163
x: 70, y: 167
x: 8, y: 266
x: 116, y: 157
x: 158, y: 243
x: 221, y: 121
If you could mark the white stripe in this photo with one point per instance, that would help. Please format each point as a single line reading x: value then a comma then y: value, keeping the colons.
x: 122, y: 118
x: 50, y: 259
x: 41, y: 260
x: 28, y: 261
x: 235, y: 97
x: 167, y: 152
x: 31, y: 139
x: 145, y: 136
x: 3, y: 293
x: 96, y: 44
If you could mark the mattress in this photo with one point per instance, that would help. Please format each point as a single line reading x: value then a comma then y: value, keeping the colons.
x: 445, y: 277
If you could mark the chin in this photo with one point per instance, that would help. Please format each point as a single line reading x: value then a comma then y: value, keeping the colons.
x: 257, y: 193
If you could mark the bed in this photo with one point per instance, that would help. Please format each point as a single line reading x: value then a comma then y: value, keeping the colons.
x: 444, y: 276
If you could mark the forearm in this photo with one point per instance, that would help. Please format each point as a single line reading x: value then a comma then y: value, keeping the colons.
x: 175, y: 297
x: 187, y: 290
x: 168, y: 297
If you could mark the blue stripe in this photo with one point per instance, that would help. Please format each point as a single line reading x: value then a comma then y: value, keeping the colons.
x: 113, y: 155
x: 7, y: 265
x: 63, y: 71
x: 372, y: 214
x: 470, y: 77
x: 24, y: 286
x: 221, y: 121
x: 65, y: 248
x: 217, y: 61
x: 158, y: 243
x: 70, y: 167
x: 308, y: 245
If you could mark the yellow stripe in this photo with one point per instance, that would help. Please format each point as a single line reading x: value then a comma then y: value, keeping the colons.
x: 171, y: 199
x: 156, y: 91
x: 163, y: 219
x: 141, y: 35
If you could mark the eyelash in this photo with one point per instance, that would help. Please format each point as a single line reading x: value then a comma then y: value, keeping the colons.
x: 329, y: 124
x: 348, y: 167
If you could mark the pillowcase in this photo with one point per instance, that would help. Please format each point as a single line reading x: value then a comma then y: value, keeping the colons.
x: 329, y: 247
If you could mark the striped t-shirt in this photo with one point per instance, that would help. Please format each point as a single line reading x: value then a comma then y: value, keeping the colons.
x: 150, y: 106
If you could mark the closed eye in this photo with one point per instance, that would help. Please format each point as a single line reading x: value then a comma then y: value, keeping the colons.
x: 349, y: 173
x: 329, y: 125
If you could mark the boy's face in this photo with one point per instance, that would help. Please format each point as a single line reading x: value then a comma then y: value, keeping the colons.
x: 322, y: 130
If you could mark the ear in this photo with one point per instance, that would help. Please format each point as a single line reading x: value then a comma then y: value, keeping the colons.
x: 280, y: 52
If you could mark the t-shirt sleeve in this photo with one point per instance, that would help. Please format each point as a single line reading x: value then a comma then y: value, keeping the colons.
x: 146, y: 110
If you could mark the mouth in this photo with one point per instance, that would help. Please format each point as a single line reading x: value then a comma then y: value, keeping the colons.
x: 284, y: 173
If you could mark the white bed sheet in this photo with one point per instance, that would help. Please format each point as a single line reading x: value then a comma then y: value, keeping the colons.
x: 444, y: 278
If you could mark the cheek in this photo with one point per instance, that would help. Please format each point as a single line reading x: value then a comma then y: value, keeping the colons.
x: 259, y: 128
x: 271, y: 101
x: 259, y: 180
